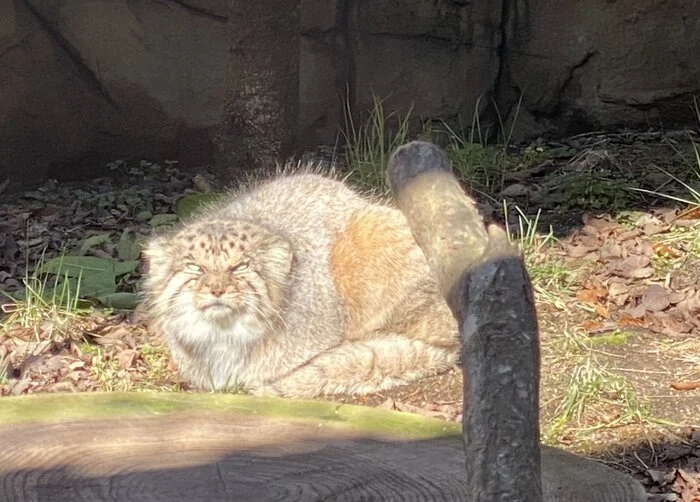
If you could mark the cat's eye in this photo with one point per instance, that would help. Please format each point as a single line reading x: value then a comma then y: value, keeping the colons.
x: 193, y: 268
x: 241, y: 267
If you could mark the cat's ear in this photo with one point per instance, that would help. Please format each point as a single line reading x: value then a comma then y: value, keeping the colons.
x: 276, y: 257
x: 156, y: 257
x: 275, y: 261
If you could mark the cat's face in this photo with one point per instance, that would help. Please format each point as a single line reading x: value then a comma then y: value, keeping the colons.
x: 218, y: 273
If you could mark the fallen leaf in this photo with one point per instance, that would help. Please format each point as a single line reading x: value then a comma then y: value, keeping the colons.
x: 76, y: 365
x: 660, y: 478
x: 671, y: 326
x: 665, y: 251
x: 667, y: 215
x: 656, y: 298
x: 626, y: 320
x: 633, y: 267
x: 515, y: 190
x: 599, y: 223
x: 591, y: 325
x: 589, y: 296
x: 619, y: 293
x: 601, y: 310
x: 628, y: 235
x: 686, y: 485
x: 611, y: 250
x: 126, y: 358
x: 578, y: 250
x: 20, y: 386
x: 31, y: 348
x: 637, y: 312
x: 691, y: 213
x: 686, y: 385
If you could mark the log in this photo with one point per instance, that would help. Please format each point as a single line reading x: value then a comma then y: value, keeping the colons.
x: 488, y: 290
x: 185, y: 447
x: 485, y: 283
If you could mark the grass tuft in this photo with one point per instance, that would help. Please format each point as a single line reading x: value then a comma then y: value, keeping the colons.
x: 370, y: 144
x: 596, y: 398
x: 53, y: 301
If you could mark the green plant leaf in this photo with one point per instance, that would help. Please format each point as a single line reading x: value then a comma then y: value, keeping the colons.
x: 143, y: 216
x: 128, y: 248
x: 97, y: 275
x: 562, y: 152
x: 93, y: 241
x: 190, y: 204
x: 125, y: 267
x: 122, y: 301
x: 163, y: 219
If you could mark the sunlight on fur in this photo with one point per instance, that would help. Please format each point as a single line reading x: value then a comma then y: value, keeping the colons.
x: 298, y: 286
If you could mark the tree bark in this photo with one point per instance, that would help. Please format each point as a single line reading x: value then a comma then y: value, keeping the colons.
x: 484, y: 281
x: 263, y: 84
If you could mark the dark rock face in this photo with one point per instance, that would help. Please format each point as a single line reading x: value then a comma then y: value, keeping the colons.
x: 612, y: 63
x: 83, y: 82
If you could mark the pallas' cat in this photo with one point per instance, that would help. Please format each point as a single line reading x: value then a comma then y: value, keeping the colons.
x: 298, y: 286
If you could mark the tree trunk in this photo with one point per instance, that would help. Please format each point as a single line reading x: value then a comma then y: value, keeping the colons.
x: 263, y: 85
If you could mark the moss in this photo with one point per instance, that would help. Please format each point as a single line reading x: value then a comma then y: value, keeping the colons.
x: 99, y: 405
x: 614, y: 339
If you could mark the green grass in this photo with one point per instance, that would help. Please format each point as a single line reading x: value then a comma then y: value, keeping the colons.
x: 106, y: 371
x: 53, y: 299
x: 551, y: 280
x: 692, y: 194
x: 370, y: 144
x: 482, y: 166
x: 595, y: 398
x: 590, y: 191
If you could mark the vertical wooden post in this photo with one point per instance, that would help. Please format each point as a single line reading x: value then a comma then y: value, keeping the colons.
x: 484, y: 281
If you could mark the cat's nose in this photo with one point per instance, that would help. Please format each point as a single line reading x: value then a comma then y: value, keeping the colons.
x: 217, y: 292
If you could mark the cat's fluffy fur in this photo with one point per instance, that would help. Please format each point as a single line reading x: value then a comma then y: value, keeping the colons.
x: 299, y: 286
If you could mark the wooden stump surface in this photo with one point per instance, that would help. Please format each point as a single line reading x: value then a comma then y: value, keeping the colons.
x: 214, y: 447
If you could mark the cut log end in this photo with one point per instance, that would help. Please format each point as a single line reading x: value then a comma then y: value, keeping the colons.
x: 414, y: 159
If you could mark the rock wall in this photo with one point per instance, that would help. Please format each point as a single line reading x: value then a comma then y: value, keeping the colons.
x: 86, y: 81
x: 83, y: 82
x: 584, y: 65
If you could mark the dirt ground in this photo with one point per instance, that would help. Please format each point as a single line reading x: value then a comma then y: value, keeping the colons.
x: 616, y: 284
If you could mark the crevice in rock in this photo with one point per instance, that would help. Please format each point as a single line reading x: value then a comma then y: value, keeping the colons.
x: 419, y: 36
x: 87, y: 75
x: 569, y: 78
x: 13, y: 46
x: 568, y: 119
x: 513, y: 28
x: 195, y: 10
x: 318, y: 33
x: 345, y: 78
x: 501, y: 53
